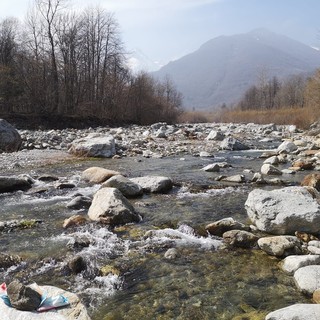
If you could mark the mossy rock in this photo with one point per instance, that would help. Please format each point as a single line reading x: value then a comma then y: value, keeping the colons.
x: 108, y: 269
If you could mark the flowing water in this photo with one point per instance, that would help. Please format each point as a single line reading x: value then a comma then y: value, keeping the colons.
x: 206, y: 280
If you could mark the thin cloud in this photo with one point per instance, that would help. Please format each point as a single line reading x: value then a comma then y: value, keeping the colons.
x: 117, y: 5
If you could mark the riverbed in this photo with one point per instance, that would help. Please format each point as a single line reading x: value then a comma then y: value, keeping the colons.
x: 207, y: 280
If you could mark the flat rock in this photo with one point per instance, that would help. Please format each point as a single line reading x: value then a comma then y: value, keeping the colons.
x: 307, y: 279
x: 284, y: 211
x: 94, y: 145
x: 127, y: 187
x: 154, y: 184
x: 296, y: 312
x: 97, y: 174
x: 292, y: 263
x: 238, y: 178
x: 213, y: 167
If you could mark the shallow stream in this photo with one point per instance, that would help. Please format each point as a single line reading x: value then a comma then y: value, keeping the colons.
x: 206, y: 281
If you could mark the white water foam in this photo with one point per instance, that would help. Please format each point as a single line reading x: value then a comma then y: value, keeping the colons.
x: 184, y: 236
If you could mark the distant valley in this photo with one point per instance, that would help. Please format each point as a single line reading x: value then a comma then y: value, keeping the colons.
x: 223, y: 68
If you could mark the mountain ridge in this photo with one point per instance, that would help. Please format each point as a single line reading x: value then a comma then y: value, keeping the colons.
x: 223, y: 68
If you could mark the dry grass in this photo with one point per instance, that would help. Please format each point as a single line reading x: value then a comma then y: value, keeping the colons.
x: 301, y: 117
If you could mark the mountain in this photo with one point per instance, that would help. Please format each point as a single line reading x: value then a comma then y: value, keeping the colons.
x: 138, y: 61
x: 223, y: 68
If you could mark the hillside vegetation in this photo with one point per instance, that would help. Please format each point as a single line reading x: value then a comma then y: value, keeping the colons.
x: 293, y: 101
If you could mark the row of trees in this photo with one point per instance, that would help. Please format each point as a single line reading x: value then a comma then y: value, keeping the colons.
x: 74, y: 64
x: 274, y: 94
x: 297, y: 91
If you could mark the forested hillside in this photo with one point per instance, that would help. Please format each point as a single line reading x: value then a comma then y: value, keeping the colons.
x: 62, y: 64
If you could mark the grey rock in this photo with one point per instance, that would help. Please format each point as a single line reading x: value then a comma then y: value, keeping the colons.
x: 111, y: 207
x: 215, y: 135
x: 284, y: 211
x: 127, y: 187
x: 79, y: 202
x: 268, y: 169
x: 13, y: 183
x: 240, y: 238
x: 48, y: 178
x: 296, y: 312
x: 205, y: 154
x: 171, y: 254
x: 233, y: 144
x: 287, y: 147
x: 214, y: 167
x: 154, y: 184
x: 280, y: 245
x: 23, y: 297
x: 94, y: 145
x: 10, y: 139
x: 292, y: 263
x: 238, y: 178
x: 307, y: 279
x: 274, y: 160
x: 75, y: 311
x: 218, y: 228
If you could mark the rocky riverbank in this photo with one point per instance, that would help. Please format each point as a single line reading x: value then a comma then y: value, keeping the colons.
x: 284, y: 219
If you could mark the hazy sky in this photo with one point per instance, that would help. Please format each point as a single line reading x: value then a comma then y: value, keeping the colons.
x: 168, y: 29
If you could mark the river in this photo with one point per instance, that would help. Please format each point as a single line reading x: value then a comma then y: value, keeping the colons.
x: 206, y: 281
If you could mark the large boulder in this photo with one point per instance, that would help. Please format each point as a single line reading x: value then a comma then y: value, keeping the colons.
x: 10, y: 139
x: 75, y: 311
x: 94, y: 145
x: 97, y: 174
x: 307, y: 279
x: 154, y: 184
x: 127, y: 187
x: 13, y: 183
x: 111, y: 207
x: 296, y: 312
x: 284, y: 211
